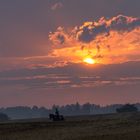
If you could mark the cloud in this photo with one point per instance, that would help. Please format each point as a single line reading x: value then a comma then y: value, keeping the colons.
x: 58, y: 37
x: 73, y: 76
x: 27, y: 36
x: 113, y: 40
x: 56, y: 6
x: 90, y: 30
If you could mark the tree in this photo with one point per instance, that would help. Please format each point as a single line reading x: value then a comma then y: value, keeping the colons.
x: 86, y: 108
x: 4, y: 117
x: 127, y: 108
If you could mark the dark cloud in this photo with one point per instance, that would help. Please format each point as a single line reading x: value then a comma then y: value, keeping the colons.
x: 58, y: 37
x: 124, y: 23
x: 90, y: 30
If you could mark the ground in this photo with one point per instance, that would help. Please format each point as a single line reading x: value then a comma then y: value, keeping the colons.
x: 100, y: 127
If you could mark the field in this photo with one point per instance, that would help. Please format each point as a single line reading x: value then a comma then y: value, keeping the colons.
x: 99, y: 127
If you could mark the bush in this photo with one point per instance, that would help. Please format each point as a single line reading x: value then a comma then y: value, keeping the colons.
x: 127, y: 108
x: 3, y: 117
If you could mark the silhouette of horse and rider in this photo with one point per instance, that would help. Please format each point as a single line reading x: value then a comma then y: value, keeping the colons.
x: 56, y: 116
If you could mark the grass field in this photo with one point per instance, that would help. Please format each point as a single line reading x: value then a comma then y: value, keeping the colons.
x: 100, y: 127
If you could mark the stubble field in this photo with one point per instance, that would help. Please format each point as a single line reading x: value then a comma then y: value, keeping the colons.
x: 99, y: 127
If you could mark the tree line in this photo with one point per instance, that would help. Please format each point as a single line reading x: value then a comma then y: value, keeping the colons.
x: 25, y: 112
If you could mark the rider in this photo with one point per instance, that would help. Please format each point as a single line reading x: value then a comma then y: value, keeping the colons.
x: 56, y: 112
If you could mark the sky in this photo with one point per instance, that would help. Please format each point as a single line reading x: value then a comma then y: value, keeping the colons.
x: 67, y: 51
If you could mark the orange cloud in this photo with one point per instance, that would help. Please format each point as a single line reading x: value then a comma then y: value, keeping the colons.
x: 114, y: 40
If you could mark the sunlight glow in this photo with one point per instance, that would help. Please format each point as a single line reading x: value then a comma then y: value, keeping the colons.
x: 89, y: 60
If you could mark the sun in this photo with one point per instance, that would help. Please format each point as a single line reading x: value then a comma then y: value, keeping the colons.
x: 89, y: 60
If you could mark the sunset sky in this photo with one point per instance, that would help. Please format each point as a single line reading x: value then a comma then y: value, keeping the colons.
x: 68, y: 51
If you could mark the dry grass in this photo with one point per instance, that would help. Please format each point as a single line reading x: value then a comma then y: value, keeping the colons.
x: 101, y: 127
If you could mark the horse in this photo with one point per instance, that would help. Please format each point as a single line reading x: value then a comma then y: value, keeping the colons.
x: 56, y: 117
